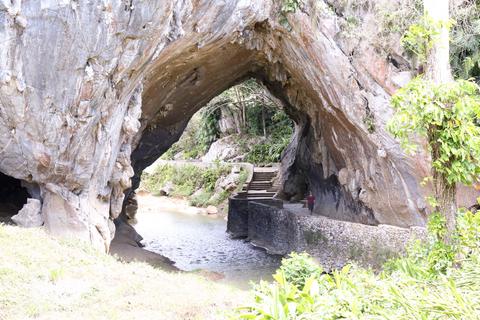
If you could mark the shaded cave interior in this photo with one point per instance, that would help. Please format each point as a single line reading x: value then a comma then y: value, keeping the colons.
x: 13, y: 195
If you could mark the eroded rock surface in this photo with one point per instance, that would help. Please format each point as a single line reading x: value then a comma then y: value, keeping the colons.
x: 92, y: 92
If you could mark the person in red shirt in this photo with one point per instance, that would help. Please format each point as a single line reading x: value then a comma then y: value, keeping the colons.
x: 310, y: 202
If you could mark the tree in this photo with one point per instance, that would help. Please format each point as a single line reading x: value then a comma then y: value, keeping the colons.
x: 444, y: 111
x: 437, y: 69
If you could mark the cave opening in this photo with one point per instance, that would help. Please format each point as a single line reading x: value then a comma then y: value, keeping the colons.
x: 246, y: 111
x: 13, y: 195
x: 243, y: 125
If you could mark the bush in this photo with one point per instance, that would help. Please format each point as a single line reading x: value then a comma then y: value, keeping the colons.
x: 298, y: 267
x: 183, y: 190
x: 201, y: 200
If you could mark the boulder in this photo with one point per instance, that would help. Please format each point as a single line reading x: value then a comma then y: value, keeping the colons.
x: 228, y: 182
x: 212, y: 210
x: 30, y: 215
x: 167, y: 189
x: 222, y: 150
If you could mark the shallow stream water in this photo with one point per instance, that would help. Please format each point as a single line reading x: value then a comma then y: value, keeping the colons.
x: 200, y: 242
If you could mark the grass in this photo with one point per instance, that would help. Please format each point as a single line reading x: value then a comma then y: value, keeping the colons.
x: 46, y: 278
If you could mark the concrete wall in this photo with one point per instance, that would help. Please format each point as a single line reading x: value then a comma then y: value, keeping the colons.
x: 334, y: 243
x: 237, y: 224
x: 238, y: 214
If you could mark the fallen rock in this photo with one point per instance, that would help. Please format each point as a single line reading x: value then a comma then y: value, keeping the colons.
x: 30, y: 215
x: 228, y: 183
x: 166, y: 189
x: 212, y: 210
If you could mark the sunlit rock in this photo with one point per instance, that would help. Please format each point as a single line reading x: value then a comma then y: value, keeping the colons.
x: 30, y: 215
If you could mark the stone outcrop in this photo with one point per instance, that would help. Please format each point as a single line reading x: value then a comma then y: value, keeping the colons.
x: 92, y: 92
x: 30, y: 215
x: 223, y: 149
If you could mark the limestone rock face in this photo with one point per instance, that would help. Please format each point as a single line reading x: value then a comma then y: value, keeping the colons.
x: 92, y: 92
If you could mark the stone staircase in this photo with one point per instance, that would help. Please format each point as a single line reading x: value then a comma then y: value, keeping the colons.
x: 262, y: 184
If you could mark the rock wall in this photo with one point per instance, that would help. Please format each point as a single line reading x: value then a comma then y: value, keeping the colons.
x: 92, y: 92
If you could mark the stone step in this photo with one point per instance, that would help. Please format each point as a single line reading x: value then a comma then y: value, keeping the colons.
x: 249, y: 196
x: 260, y: 194
x: 264, y: 174
x: 258, y: 175
x: 264, y: 184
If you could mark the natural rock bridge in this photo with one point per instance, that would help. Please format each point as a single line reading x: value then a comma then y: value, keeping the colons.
x: 92, y: 92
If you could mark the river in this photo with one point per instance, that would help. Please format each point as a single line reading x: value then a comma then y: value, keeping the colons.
x: 200, y: 242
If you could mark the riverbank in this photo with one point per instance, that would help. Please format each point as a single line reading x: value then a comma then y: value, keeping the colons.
x: 126, y: 243
x: 46, y: 278
x: 174, y: 204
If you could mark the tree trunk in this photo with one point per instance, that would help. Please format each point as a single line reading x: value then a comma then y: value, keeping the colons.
x: 445, y: 193
x: 242, y: 106
x: 437, y: 70
x: 263, y: 121
x: 437, y: 67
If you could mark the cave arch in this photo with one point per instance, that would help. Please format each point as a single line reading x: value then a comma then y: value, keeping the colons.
x: 339, y: 158
x: 89, y: 90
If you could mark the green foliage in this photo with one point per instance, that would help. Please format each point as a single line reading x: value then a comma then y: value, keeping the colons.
x: 369, y: 121
x: 434, y: 258
x: 448, y: 115
x: 56, y: 274
x: 397, y: 17
x: 262, y: 153
x: 201, y: 200
x: 398, y: 20
x: 209, y: 130
x: 200, y: 133
x: 421, y: 36
x: 187, y: 179
x: 465, y: 40
x: 299, y: 267
x: 219, y: 198
x: 242, y: 178
x: 467, y: 235
x: 271, y: 149
x: 421, y: 285
x: 282, y: 300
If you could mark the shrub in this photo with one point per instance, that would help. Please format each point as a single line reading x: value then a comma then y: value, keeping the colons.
x: 298, y: 267
x: 201, y: 200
